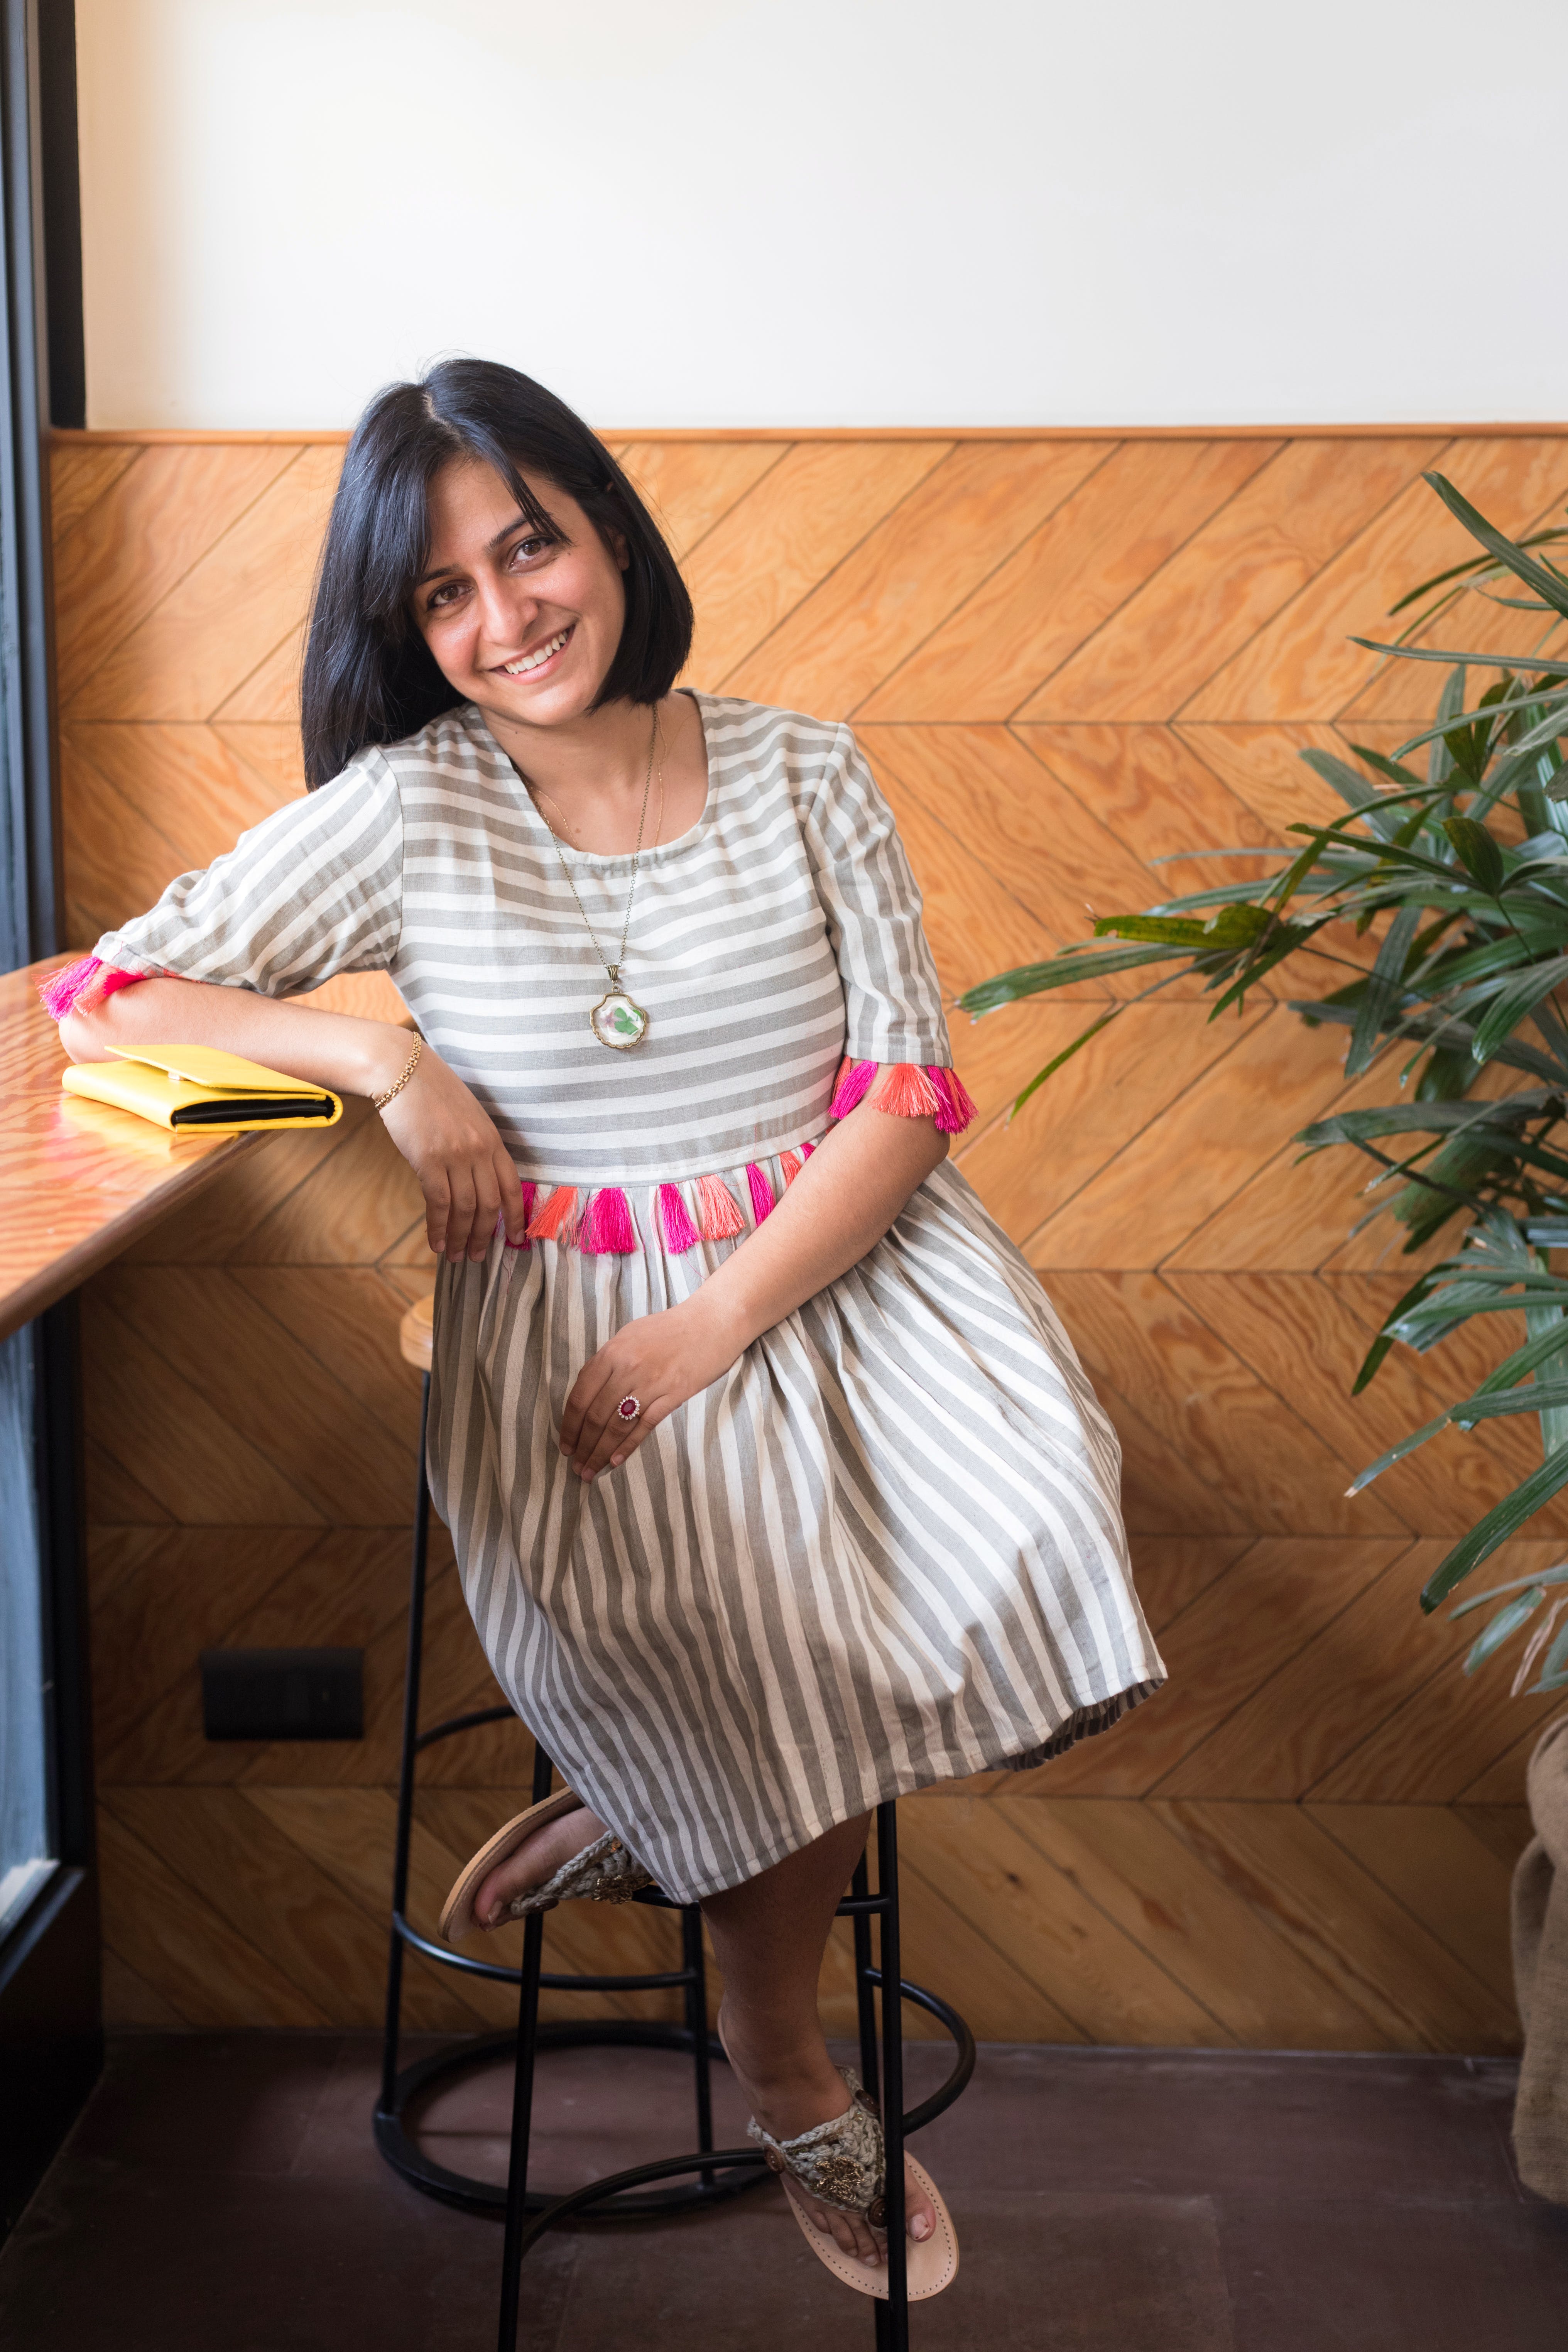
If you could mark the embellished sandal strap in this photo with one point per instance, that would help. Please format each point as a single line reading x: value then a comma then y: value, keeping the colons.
x: 842, y: 2162
x: 605, y: 1871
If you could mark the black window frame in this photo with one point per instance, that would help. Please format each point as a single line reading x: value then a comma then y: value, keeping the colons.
x: 51, y: 2034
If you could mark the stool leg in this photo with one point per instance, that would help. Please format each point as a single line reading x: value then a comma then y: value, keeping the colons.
x: 692, y: 1961
x: 864, y: 1999
x: 897, y: 2308
x: 406, y: 1762
x: 523, y: 2095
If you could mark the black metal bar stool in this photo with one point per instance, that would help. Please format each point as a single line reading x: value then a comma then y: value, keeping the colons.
x: 720, y: 2172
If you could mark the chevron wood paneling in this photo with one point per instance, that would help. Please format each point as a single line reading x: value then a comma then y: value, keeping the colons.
x: 1067, y: 657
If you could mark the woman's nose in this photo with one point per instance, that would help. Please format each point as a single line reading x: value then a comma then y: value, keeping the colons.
x: 507, y: 613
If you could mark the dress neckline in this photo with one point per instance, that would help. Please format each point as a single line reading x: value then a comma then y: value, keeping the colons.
x: 605, y: 862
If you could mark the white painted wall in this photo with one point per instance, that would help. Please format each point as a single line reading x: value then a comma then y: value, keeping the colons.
x: 829, y: 211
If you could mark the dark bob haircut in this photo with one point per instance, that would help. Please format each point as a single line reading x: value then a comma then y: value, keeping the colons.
x: 370, y: 678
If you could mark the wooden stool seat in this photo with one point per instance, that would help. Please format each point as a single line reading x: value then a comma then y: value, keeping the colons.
x: 413, y: 1334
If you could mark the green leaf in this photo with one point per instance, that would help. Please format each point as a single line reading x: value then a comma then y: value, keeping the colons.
x: 1232, y: 927
x: 1551, y: 1674
x: 1503, y: 1520
x: 1538, y: 663
x: 1546, y: 584
x: 1383, y: 988
x: 1507, y: 1621
x: 1516, y: 1584
x: 1063, y: 970
x: 1066, y: 1054
x: 1386, y: 1337
x: 1515, y: 999
x: 1364, y: 1478
x: 1353, y: 789
x: 1477, y: 851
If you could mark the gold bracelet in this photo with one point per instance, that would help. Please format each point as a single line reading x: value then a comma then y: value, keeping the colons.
x: 379, y: 1102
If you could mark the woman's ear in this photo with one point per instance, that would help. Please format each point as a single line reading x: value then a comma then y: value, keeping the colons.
x: 619, y: 549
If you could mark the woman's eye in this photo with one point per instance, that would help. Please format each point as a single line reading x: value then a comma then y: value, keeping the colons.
x: 447, y: 593
x: 526, y: 549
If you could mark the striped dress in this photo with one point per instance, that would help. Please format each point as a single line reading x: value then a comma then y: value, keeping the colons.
x: 884, y: 1548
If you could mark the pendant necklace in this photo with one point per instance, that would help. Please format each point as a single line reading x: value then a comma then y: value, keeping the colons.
x: 617, y: 1019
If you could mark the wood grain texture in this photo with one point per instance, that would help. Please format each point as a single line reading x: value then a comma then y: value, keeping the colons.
x: 1069, y: 657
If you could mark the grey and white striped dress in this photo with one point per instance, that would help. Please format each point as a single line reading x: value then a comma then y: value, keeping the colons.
x: 884, y: 1549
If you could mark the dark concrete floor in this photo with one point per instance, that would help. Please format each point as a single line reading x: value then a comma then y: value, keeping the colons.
x: 221, y: 2190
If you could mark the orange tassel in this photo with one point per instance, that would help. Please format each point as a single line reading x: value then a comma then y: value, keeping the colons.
x: 789, y: 1167
x: 907, y: 1092
x: 557, y: 1221
x: 721, y: 1219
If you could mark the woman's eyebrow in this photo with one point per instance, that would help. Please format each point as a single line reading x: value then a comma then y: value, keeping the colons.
x: 439, y: 571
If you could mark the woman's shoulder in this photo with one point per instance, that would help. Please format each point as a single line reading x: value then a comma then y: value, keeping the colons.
x: 789, y: 746
x: 457, y: 743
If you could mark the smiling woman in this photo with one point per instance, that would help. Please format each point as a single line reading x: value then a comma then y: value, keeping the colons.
x: 862, y: 1532
x: 405, y: 622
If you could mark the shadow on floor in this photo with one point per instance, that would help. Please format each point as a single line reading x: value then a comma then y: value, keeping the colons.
x: 223, y: 2189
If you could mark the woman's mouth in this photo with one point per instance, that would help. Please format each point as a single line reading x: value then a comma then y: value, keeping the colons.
x: 541, y: 659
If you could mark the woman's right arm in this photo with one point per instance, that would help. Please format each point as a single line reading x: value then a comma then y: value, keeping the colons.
x: 446, y: 1137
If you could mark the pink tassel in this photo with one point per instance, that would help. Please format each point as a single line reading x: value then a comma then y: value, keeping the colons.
x: 789, y: 1166
x: 557, y: 1221
x: 762, y: 1193
x: 720, y: 1218
x: 607, y: 1229
x: 957, y: 1109
x: 852, y: 1089
x: 805, y: 1151
x: 907, y: 1092
x: 528, y: 1192
x: 675, y: 1223
x: 65, y: 991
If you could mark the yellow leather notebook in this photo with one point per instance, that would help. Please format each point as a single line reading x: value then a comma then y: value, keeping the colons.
x: 199, y: 1091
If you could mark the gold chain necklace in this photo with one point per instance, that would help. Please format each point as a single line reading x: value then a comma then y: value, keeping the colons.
x: 617, y: 1019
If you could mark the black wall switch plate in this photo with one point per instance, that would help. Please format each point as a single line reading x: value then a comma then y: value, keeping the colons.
x: 283, y: 1694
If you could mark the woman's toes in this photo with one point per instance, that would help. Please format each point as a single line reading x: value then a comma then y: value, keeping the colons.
x: 535, y: 1860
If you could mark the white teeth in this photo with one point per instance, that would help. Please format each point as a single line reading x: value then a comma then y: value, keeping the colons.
x: 532, y: 661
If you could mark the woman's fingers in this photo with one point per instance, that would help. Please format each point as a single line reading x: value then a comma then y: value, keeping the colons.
x: 487, y: 1211
x: 438, y: 1211
x: 617, y: 1440
x: 587, y: 1389
x: 514, y: 1216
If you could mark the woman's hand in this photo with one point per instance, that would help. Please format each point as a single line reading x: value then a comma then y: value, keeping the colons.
x: 464, y: 1169
x: 661, y: 1359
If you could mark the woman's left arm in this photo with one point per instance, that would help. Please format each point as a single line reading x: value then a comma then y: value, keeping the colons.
x: 839, y: 1206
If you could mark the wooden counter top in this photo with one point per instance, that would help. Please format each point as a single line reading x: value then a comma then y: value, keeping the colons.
x: 78, y: 1179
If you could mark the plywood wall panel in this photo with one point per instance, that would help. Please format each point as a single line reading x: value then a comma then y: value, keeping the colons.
x: 1067, y: 661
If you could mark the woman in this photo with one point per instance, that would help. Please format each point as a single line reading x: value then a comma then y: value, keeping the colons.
x: 776, y: 1487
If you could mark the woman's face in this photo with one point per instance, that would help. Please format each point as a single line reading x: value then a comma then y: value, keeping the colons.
x: 524, y: 627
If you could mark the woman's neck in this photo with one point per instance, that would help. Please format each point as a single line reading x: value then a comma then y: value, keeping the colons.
x: 588, y: 779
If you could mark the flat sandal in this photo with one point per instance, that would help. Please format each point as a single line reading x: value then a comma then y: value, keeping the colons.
x: 843, y: 2164
x: 602, y: 1873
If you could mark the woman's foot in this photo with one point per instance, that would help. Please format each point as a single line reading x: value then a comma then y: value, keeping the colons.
x: 537, y: 1859
x: 790, y: 2097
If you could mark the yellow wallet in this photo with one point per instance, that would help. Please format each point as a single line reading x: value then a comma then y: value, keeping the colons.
x: 199, y: 1087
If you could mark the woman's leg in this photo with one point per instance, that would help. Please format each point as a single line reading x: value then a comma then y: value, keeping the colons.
x: 769, y: 1936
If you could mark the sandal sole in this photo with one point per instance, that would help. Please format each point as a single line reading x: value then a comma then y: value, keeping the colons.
x: 457, y: 1911
x: 931, y: 2263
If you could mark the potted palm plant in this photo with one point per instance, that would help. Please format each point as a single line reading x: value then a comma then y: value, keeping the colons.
x: 1459, y: 870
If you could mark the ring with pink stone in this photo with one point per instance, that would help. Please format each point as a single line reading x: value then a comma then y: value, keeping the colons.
x: 628, y: 1409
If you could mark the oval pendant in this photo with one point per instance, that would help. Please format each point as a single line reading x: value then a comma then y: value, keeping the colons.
x: 618, y: 1020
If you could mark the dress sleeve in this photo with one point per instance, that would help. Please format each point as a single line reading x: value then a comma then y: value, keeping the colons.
x: 313, y: 891
x: 894, y: 1020
x: 892, y: 1000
